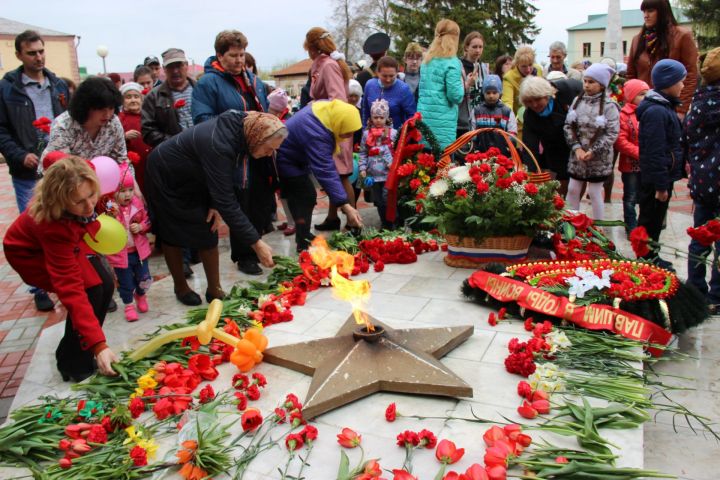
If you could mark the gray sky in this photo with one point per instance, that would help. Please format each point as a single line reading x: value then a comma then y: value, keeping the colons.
x: 133, y: 29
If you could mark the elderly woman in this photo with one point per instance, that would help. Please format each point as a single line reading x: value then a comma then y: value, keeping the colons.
x: 45, y: 246
x: 523, y: 66
x: 90, y: 127
x: 660, y: 37
x: 315, y: 134
x: 441, y: 84
x: 546, y: 105
x: 189, y: 181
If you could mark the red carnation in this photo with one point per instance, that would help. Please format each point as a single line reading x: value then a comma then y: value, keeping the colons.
x: 531, y: 189
x: 492, y: 321
x: 137, y: 407
x: 180, y: 103
x: 391, y: 412
x: 558, y: 202
x: 639, y: 241
x: 251, y: 419
x: 139, y: 456
x: 97, y: 434
x: 524, y: 389
x: 207, y: 394
x: 379, y: 266
x: 294, y: 441
x: 461, y: 193
x: 260, y: 379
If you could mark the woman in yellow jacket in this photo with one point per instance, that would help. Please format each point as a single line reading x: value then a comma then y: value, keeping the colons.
x: 523, y: 65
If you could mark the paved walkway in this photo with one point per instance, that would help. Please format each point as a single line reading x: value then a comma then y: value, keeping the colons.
x: 21, y: 323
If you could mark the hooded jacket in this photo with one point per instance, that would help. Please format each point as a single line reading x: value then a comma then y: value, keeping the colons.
x: 441, y: 91
x: 217, y: 92
x: 18, y: 136
x: 701, y: 142
x: 627, y: 141
x: 661, y: 161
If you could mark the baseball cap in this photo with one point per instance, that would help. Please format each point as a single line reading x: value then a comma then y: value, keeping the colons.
x: 173, y: 55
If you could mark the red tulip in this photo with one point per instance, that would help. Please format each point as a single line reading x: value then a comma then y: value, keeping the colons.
x: 452, y: 476
x: 539, y: 395
x: 402, y: 475
x: 526, y: 410
x: 512, y: 430
x: 496, y: 455
x: 349, y: 438
x: 524, y: 440
x: 476, y: 472
x: 497, y: 472
x: 65, y: 463
x: 64, y: 444
x: 80, y: 446
x: 561, y: 460
x: 448, y: 453
x: 542, y: 406
x: 390, y: 411
x: 493, y: 434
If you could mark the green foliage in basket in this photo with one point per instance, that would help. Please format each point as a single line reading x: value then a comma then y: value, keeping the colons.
x: 488, y: 197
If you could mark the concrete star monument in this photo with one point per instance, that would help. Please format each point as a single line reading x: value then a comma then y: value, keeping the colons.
x: 354, y: 363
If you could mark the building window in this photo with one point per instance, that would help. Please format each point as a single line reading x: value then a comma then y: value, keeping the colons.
x: 602, y: 49
x: 624, y: 47
x: 586, y: 50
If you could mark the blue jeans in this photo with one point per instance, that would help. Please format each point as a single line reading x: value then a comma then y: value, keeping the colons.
x: 631, y: 184
x: 134, y: 279
x: 696, y: 271
x: 23, y: 192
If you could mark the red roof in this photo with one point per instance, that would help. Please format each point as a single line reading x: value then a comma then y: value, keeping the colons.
x: 300, y: 68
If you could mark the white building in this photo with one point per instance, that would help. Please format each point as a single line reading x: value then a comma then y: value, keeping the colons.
x: 587, y: 40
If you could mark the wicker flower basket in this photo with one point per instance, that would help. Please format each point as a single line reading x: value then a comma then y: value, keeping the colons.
x: 467, y: 252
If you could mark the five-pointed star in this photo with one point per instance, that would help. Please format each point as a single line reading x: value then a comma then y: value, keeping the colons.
x: 403, y: 360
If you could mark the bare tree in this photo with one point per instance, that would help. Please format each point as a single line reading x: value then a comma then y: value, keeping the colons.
x: 349, y: 27
x: 378, y: 15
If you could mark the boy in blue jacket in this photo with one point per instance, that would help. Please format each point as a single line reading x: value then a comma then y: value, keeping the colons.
x: 661, y: 160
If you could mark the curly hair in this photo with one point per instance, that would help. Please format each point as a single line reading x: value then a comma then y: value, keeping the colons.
x: 445, y: 43
x: 94, y: 93
x: 53, y: 194
x: 318, y: 39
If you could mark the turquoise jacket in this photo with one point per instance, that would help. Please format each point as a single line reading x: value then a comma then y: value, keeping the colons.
x: 441, y: 91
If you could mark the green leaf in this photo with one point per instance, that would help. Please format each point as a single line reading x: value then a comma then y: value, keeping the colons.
x: 344, y: 470
x: 568, y: 231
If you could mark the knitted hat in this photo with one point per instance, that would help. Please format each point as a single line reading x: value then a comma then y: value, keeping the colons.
x: 355, y: 88
x: 126, y: 177
x: 710, y: 70
x: 492, y: 82
x: 52, y: 157
x: 632, y: 88
x: 380, y: 108
x: 667, y: 73
x: 131, y: 86
x: 601, y: 73
x: 278, y: 100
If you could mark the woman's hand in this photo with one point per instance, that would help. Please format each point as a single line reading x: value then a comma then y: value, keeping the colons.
x: 353, y: 216
x: 264, y: 253
x: 104, y: 360
x: 132, y: 135
x: 470, y: 80
x: 214, y: 217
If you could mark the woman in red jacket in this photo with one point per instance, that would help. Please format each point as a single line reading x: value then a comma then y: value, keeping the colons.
x: 45, y: 246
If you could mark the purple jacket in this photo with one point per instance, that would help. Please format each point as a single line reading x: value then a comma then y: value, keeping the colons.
x: 309, y: 148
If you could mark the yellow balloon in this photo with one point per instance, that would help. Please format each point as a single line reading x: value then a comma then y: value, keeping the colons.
x: 110, y: 239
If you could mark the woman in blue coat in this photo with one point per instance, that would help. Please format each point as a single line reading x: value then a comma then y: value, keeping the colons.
x: 314, y: 136
x: 441, y: 84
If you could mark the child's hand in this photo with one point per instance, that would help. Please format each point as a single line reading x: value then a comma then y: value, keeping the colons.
x: 132, y: 134
x: 580, y: 154
x: 135, y: 228
x: 661, y: 195
x: 589, y: 155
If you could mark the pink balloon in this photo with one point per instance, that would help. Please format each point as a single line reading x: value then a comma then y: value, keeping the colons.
x: 108, y: 172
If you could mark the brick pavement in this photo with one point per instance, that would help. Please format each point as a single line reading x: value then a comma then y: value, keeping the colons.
x: 21, y: 323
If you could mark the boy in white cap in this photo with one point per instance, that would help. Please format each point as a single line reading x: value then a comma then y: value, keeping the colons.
x: 591, y: 128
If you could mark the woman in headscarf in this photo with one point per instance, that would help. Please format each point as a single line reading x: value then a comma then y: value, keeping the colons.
x: 190, y: 185
x: 315, y: 134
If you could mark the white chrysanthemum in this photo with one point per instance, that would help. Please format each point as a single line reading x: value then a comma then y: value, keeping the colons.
x: 460, y: 174
x: 438, y: 188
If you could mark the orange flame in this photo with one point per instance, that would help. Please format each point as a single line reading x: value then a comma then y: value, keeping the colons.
x: 357, y: 292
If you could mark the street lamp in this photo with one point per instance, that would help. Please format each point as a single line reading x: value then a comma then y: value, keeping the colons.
x: 102, y: 52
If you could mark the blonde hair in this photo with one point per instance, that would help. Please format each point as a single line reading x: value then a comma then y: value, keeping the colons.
x: 319, y: 39
x: 524, y: 55
x: 445, y: 43
x: 53, y: 194
x: 413, y: 49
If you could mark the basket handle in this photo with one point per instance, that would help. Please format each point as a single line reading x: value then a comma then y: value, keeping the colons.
x: 509, y: 137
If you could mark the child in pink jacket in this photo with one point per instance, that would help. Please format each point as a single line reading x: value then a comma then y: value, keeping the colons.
x: 131, y: 264
x: 627, y: 144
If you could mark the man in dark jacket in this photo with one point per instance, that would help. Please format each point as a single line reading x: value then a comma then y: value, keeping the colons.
x: 165, y: 107
x: 166, y: 111
x: 29, y: 95
x: 661, y: 159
